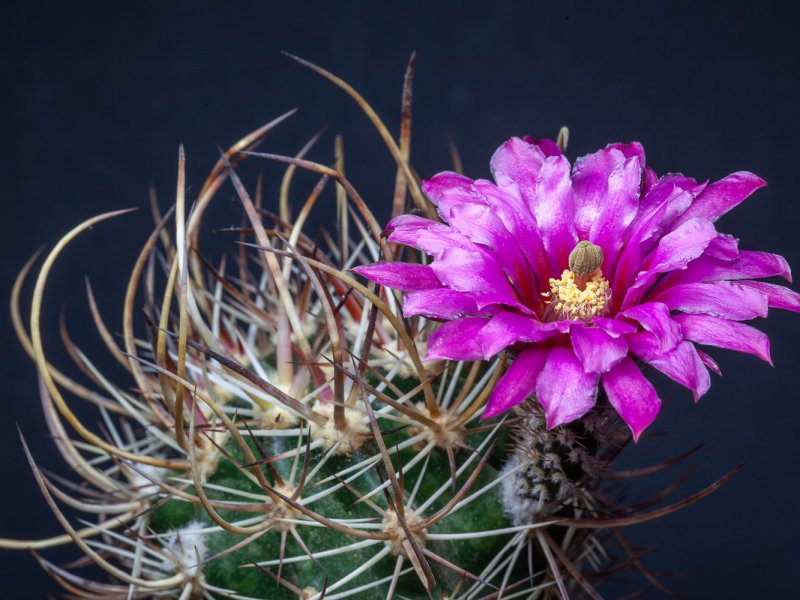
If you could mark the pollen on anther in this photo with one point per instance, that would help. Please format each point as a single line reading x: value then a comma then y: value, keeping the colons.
x: 567, y: 301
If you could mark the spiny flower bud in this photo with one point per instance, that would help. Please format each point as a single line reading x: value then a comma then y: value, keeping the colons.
x: 585, y: 259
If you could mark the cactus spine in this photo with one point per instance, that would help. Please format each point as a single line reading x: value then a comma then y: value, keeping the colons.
x: 281, y: 437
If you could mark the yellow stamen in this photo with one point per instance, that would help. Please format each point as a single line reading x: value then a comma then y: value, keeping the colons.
x: 568, y: 301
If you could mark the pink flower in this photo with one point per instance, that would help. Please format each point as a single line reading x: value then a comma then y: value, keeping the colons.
x: 655, y: 280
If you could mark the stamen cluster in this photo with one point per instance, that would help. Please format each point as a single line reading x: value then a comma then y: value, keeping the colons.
x: 567, y: 301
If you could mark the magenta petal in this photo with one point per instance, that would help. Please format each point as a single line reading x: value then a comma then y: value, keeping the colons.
x: 670, y: 197
x: 553, y: 206
x: 564, y: 389
x: 674, y: 251
x: 649, y: 179
x: 466, y: 211
x: 515, y: 214
x: 645, y: 345
x: 439, y: 303
x: 614, y: 327
x: 755, y: 265
x: 409, y: 222
x: 441, y: 184
x: 721, y: 196
x: 709, y: 362
x: 777, y: 295
x: 471, y: 271
x: 634, y: 149
x: 434, y: 239
x: 480, y: 219
x: 544, y: 186
x: 681, y: 364
x: 606, y: 186
x: 632, y: 395
x: 713, y: 331
x: 400, y: 276
x: 721, y: 299
x: 507, y: 328
x: 723, y: 246
x: 516, y: 164
x: 597, y: 351
x: 548, y: 147
x: 655, y: 318
x: 456, y: 340
x: 477, y: 272
x: 518, y: 382
x: 748, y: 265
x: 681, y: 245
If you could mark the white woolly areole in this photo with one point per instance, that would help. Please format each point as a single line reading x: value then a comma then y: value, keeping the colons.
x: 142, y: 478
x: 398, y: 536
x: 343, y: 441
x: 276, y: 417
x: 522, y: 499
x: 186, y: 548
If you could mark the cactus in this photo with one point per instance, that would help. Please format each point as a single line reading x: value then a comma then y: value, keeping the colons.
x: 281, y: 436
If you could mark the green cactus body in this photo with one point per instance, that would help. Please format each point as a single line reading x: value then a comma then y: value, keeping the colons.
x: 235, y: 571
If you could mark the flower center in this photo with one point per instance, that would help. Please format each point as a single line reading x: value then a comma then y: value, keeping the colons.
x: 582, y: 292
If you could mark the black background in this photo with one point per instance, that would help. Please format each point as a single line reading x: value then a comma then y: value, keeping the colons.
x: 96, y: 99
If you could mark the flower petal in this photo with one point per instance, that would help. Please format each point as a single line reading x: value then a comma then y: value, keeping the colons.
x: 597, y: 351
x: 456, y: 340
x: 749, y: 265
x: 433, y: 239
x: 544, y: 186
x: 564, y: 389
x: 713, y: 331
x: 507, y: 328
x: 553, y: 206
x: 670, y: 197
x: 709, y: 362
x: 654, y: 317
x: 465, y: 210
x: 440, y: 303
x: 649, y: 179
x: 408, y: 222
x: 516, y: 164
x: 674, y: 251
x: 681, y: 364
x: 614, y: 327
x: 400, y: 276
x: 723, y: 246
x: 632, y: 395
x: 473, y: 270
x: 721, y: 196
x: 516, y: 216
x: 518, y: 382
x: 777, y: 295
x: 720, y: 299
x: 681, y: 245
x: 548, y: 147
x: 480, y: 219
x: 606, y: 186
x: 440, y: 185
x: 634, y: 149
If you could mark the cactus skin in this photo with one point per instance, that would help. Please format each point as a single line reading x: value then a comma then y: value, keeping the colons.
x: 227, y: 571
x: 279, y: 435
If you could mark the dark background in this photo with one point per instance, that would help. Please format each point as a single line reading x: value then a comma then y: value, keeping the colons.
x: 96, y: 99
